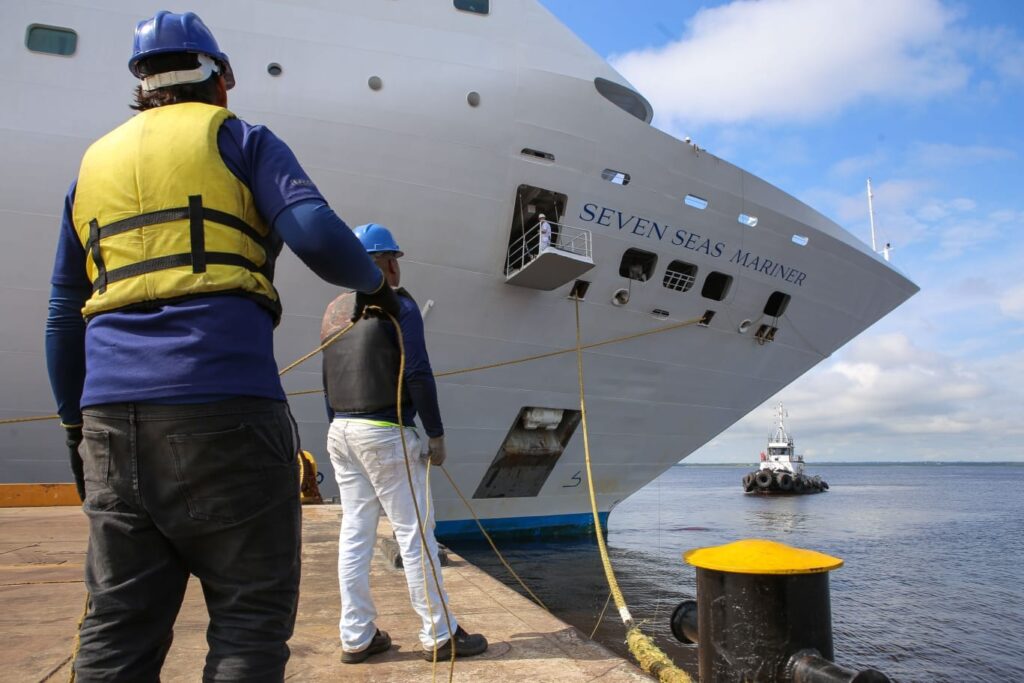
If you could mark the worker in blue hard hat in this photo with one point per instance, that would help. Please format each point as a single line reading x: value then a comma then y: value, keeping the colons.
x: 159, y: 345
x: 361, y: 371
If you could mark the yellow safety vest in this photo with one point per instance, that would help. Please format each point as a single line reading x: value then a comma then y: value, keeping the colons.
x: 162, y: 218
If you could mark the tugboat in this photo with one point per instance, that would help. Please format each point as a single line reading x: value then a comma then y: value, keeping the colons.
x: 782, y: 470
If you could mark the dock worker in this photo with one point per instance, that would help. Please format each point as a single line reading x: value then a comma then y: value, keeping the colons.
x: 160, y: 354
x: 365, y: 444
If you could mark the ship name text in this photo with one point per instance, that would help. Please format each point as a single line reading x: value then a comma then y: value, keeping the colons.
x: 644, y: 227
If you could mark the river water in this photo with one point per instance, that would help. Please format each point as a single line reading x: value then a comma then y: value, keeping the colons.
x: 933, y: 583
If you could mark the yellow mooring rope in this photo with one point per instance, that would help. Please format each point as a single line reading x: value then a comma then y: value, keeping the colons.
x: 643, y: 649
x: 424, y: 550
x: 647, y: 654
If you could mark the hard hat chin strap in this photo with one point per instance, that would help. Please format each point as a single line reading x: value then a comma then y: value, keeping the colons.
x: 207, y: 67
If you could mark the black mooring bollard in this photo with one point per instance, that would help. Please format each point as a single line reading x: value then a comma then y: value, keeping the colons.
x: 763, y: 613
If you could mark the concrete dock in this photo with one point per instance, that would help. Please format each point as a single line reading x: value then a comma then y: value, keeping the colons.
x: 42, y: 595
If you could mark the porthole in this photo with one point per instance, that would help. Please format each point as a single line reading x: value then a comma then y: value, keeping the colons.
x: 375, y: 83
x: 696, y: 202
x: 274, y: 69
x: 716, y: 286
x: 638, y: 264
x: 800, y: 240
x: 474, y: 6
x: 51, y: 40
x: 625, y: 99
x: 679, y: 276
x: 537, y: 154
x: 473, y: 99
x: 749, y: 221
x: 776, y: 305
x: 615, y: 177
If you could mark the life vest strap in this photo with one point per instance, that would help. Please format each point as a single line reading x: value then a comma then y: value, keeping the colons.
x: 197, y: 237
x: 93, y: 245
x: 168, y: 215
x: 175, y: 261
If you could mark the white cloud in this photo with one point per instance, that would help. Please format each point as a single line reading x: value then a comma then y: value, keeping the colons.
x: 796, y: 59
x: 908, y: 213
x: 858, y: 165
x: 1012, y: 302
x: 935, y: 155
x: 937, y: 209
x: 890, y: 398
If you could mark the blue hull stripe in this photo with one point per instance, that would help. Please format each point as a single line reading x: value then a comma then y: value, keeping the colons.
x: 546, y: 525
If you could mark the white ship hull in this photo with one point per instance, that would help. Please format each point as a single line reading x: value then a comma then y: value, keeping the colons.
x: 415, y: 156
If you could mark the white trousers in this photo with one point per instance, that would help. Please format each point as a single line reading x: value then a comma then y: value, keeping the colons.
x: 369, y: 466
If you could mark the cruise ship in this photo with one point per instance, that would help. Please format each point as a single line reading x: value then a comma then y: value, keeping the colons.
x: 457, y: 123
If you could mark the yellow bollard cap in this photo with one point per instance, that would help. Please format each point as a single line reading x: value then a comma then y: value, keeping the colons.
x: 753, y: 556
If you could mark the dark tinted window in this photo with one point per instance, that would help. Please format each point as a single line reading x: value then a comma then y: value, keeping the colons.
x: 776, y: 304
x: 625, y: 99
x: 51, y: 40
x: 638, y: 264
x: 716, y: 286
x: 477, y: 6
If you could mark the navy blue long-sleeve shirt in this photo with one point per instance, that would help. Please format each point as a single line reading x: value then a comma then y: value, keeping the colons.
x: 210, y: 347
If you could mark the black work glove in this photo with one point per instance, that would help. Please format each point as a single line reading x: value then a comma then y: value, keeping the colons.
x: 74, y: 440
x: 384, y: 298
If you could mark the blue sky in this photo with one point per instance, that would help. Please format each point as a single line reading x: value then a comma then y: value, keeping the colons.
x: 926, y: 97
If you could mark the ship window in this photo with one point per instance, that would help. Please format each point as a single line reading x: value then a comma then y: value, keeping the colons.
x: 625, y: 99
x: 536, y: 153
x: 51, y: 40
x: 716, y: 286
x: 475, y: 6
x: 696, y: 202
x: 749, y: 221
x: 638, y: 264
x: 801, y: 240
x: 679, y: 276
x: 617, y: 177
x: 776, y: 304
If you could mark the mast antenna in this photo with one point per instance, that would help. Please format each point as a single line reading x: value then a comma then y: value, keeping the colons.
x: 871, y: 216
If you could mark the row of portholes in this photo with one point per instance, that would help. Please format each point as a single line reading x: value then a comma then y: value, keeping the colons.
x: 680, y: 276
x: 55, y: 40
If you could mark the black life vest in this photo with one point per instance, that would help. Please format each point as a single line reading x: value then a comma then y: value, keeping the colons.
x: 360, y: 370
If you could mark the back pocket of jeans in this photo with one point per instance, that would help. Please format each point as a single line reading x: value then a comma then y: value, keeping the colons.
x: 222, y: 475
x: 95, y: 453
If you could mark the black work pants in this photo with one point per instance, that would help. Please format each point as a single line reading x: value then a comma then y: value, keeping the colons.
x: 172, y: 490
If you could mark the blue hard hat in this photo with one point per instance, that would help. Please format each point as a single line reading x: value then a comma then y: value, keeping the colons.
x: 169, y: 32
x: 377, y: 239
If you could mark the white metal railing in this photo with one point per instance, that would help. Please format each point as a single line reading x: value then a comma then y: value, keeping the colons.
x: 528, y: 247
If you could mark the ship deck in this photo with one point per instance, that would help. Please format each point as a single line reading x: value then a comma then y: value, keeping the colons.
x: 42, y: 550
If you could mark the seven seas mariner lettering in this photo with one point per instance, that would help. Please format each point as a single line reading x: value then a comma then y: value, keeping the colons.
x: 650, y: 229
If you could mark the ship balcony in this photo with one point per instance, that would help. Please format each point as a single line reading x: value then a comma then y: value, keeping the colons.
x: 552, y: 262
